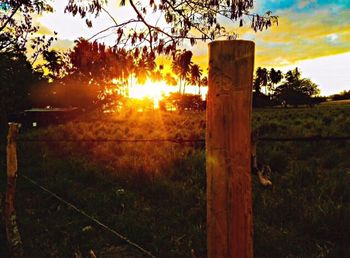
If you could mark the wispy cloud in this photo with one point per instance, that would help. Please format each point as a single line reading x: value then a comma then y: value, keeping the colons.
x: 302, y: 36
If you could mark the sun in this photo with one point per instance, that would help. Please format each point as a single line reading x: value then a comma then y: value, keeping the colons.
x: 151, y: 90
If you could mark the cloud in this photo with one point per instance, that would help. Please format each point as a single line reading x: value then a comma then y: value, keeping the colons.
x: 44, y: 30
x: 63, y: 44
x: 302, y: 36
x: 299, y: 36
x: 332, y: 37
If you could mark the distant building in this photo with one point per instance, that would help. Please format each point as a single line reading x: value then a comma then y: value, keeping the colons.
x: 41, y: 117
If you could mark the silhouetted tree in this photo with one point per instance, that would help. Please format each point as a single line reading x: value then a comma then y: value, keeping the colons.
x: 195, y: 76
x: 296, y: 91
x: 56, y: 64
x: 260, y: 79
x: 125, y: 69
x: 144, y: 67
x: 203, y: 83
x: 181, y: 66
x: 275, y: 76
x: 341, y: 96
x: 17, y: 77
x: 17, y: 28
x: 184, y: 102
x: 170, y: 80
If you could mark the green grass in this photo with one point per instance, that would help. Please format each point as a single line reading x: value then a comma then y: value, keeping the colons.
x: 165, y: 214
x: 155, y: 193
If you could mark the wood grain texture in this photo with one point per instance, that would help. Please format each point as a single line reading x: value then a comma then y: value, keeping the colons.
x: 12, y: 232
x: 228, y: 143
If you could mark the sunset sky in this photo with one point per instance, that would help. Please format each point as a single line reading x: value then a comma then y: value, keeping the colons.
x: 313, y: 35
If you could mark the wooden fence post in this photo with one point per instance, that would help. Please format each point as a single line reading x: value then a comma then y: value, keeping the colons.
x: 228, y: 139
x: 12, y: 232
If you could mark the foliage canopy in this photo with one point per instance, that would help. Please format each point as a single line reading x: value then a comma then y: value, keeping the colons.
x: 159, y: 26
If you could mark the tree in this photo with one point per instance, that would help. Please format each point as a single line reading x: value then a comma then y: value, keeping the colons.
x: 156, y: 76
x: 99, y: 65
x: 17, y: 31
x: 124, y: 71
x: 144, y: 67
x: 341, y: 96
x: 98, y: 72
x: 17, y: 34
x: 274, y: 78
x: 204, y: 82
x: 17, y: 78
x: 181, y: 66
x: 170, y: 80
x: 184, y: 102
x: 195, y: 76
x: 296, y: 90
x: 181, y: 20
x: 261, y: 79
x: 55, y: 64
x: 85, y: 79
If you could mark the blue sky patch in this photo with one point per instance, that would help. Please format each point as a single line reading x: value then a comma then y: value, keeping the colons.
x: 4, y: 6
x: 302, y: 5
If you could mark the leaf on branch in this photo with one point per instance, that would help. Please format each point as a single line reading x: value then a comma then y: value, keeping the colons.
x: 192, y: 41
x: 141, y: 36
x: 88, y: 23
x: 136, y: 53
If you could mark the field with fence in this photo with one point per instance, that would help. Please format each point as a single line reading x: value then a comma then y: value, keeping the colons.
x: 143, y: 176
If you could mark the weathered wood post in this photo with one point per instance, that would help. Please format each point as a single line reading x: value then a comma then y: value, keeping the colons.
x: 12, y: 232
x: 228, y: 137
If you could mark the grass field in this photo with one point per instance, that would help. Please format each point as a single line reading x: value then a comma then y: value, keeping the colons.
x: 154, y: 193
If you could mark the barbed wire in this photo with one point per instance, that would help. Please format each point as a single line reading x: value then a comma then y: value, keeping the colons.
x: 101, y: 224
x: 179, y: 140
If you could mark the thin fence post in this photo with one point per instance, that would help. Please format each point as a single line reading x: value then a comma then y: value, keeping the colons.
x: 12, y: 232
x: 228, y: 154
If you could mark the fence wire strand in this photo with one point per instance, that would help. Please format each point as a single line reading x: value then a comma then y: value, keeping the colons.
x: 104, y: 226
x: 179, y: 141
x: 113, y: 140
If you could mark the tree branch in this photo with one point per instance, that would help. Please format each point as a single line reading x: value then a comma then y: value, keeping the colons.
x: 10, y: 17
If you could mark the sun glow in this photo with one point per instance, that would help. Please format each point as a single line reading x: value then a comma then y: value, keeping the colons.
x: 151, y: 90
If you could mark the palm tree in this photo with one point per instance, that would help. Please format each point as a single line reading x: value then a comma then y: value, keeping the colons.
x: 144, y: 67
x: 181, y: 67
x: 293, y: 75
x: 204, y: 81
x: 261, y: 79
x: 119, y: 66
x: 170, y: 80
x: 196, y: 73
x: 156, y: 76
x: 275, y: 77
x: 127, y: 68
x: 55, y: 63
